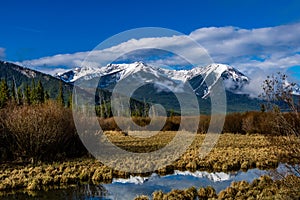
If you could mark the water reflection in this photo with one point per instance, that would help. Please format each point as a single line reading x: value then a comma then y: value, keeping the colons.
x: 134, y: 186
x: 79, y: 192
x: 130, y: 188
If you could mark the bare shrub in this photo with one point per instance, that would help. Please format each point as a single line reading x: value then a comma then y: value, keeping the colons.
x: 247, y: 124
x: 43, y: 132
x: 203, y: 124
x: 108, y: 124
x: 6, y: 140
x: 233, y: 123
x: 277, y: 90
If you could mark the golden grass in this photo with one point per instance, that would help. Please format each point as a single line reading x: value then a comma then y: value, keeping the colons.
x: 140, y: 142
x: 232, y: 152
x: 52, y: 175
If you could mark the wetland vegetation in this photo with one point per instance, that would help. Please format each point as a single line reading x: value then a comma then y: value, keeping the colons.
x: 232, y: 152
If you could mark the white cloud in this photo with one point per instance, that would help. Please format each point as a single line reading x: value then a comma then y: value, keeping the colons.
x: 68, y: 60
x: 256, y: 52
x: 105, y: 56
x: 266, y: 45
x: 258, y: 76
x: 2, y: 53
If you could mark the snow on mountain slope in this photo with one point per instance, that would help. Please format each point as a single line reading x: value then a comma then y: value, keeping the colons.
x: 292, y: 86
x: 92, y: 72
x: 296, y: 90
x: 77, y: 73
x: 126, y: 69
x: 233, y: 79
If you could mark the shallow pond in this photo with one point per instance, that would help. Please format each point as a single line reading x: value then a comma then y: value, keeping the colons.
x: 130, y: 188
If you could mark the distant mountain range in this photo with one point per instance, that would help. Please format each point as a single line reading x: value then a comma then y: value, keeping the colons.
x: 108, y: 76
x: 234, y: 80
x: 201, y: 79
x: 111, y: 74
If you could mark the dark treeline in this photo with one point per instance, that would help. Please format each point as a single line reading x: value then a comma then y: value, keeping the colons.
x: 138, y: 108
x: 254, y: 122
x: 28, y: 94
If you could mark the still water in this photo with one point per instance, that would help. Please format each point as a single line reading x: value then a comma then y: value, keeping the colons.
x: 130, y: 188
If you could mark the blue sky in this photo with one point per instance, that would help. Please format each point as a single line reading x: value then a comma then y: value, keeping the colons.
x: 32, y: 30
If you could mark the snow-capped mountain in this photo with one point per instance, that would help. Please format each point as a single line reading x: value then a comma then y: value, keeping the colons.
x: 233, y: 79
x: 296, y: 90
x: 293, y: 87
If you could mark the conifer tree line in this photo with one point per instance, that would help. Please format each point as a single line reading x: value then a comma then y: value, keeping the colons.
x: 103, y: 106
x: 35, y: 93
x: 28, y: 94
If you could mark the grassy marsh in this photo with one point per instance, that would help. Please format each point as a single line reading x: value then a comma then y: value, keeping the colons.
x: 232, y: 152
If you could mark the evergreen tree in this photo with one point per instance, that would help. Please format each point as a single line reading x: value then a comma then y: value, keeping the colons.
x: 70, y: 100
x: 33, y: 93
x: 263, y: 108
x: 47, y: 96
x: 171, y: 113
x: 4, y: 93
x: 40, y: 94
x: 14, y: 94
x: 27, y: 92
x: 60, y: 96
x: 20, y: 96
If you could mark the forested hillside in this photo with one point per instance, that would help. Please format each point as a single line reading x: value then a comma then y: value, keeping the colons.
x: 22, y: 77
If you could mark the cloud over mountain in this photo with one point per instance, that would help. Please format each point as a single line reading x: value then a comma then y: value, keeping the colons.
x: 250, y: 50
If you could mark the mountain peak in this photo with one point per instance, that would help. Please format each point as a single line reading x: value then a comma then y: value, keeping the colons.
x: 233, y: 79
